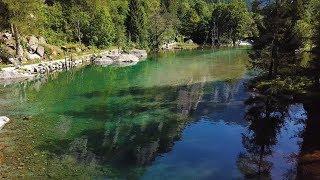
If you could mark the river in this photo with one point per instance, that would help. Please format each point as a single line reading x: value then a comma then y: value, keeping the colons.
x: 183, y: 115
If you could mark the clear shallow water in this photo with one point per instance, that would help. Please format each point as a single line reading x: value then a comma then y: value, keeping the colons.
x: 177, y: 116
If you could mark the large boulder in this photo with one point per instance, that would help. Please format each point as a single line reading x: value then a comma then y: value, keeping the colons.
x: 127, y: 58
x: 3, y: 121
x: 33, y: 44
x: 141, y: 54
x: 103, y: 61
x: 31, y: 56
x: 14, y: 61
x: 40, y: 51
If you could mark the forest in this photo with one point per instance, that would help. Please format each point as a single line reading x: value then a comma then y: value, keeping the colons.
x: 141, y: 23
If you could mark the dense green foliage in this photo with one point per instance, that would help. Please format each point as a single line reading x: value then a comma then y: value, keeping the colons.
x: 142, y: 23
x: 286, y: 29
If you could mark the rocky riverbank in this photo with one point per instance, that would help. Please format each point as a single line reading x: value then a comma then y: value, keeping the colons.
x: 25, y: 72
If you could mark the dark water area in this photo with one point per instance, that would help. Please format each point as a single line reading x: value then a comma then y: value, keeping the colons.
x: 183, y: 115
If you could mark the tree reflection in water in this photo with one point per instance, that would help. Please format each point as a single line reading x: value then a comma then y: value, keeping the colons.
x: 266, y: 117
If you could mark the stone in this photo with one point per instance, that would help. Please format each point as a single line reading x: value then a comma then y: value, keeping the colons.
x: 127, y: 58
x: 33, y: 43
x: 7, y: 35
x: 12, y: 74
x: 103, y: 61
x: 3, y: 121
x: 33, y: 56
x: 40, y: 51
x: 189, y: 41
x: 141, y: 54
x: 14, y: 61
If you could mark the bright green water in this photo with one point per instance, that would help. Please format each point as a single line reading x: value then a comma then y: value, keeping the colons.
x: 177, y: 116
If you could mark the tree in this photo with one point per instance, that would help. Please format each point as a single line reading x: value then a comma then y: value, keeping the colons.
x: 161, y: 29
x: 137, y: 22
x: 277, y: 40
x: 79, y: 20
x: 119, y: 12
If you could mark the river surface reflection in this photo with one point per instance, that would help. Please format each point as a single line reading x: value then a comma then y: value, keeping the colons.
x: 185, y: 115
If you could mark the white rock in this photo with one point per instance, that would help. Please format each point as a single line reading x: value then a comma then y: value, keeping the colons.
x: 40, y: 51
x: 244, y: 43
x: 3, y: 121
x: 33, y: 56
x: 7, y: 35
x: 33, y: 43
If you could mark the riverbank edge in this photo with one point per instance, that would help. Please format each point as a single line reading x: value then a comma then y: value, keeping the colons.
x: 108, y: 57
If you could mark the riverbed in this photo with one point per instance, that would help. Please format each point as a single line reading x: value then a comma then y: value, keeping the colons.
x: 178, y: 115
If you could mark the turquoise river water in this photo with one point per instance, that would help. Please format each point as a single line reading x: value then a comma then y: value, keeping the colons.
x: 183, y: 115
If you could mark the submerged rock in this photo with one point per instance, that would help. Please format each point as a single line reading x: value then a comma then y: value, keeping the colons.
x: 3, y: 121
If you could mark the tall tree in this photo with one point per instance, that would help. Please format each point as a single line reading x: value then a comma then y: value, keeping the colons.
x: 137, y: 22
x: 277, y: 40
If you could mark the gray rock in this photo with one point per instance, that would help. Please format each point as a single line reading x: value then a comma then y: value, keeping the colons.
x: 3, y: 121
x: 103, y: 61
x: 40, y: 50
x: 141, y: 54
x: 189, y: 41
x: 33, y: 56
x: 33, y: 43
x: 14, y: 61
x: 127, y: 58
x: 13, y: 73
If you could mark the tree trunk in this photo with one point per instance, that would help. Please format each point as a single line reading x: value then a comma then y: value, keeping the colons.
x: 19, y: 49
x: 79, y: 32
